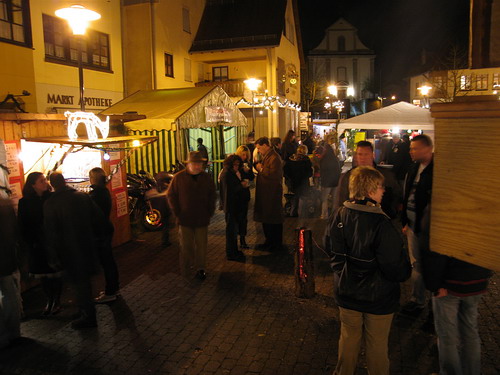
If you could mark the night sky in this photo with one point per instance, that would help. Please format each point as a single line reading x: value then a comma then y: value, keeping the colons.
x: 397, y: 30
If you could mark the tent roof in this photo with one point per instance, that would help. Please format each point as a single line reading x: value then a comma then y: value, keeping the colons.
x: 181, y: 106
x: 402, y: 115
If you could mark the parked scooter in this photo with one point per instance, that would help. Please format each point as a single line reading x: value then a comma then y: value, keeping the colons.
x: 147, y: 200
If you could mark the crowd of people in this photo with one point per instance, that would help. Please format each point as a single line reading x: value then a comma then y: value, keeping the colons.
x: 59, y: 230
x: 368, y: 208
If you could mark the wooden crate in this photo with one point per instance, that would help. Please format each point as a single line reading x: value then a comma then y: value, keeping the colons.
x: 465, y: 195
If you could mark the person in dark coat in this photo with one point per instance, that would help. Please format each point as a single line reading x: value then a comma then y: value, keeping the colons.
x: 299, y: 170
x: 364, y: 157
x: 369, y: 262
x: 191, y: 196
x: 36, y: 191
x: 268, y: 208
x: 417, y: 195
x: 457, y: 288
x: 10, y: 298
x: 397, y: 154
x: 309, y: 143
x: 233, y: 199
x: 202, y: 148
x: 102, y: 198
x: 73, y: 222
x: 246, y: 171
x: 289, y: 145
x: 329, y: 174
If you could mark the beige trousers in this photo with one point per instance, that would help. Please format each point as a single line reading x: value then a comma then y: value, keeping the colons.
x: 193, y: 254
x: 376, y: 335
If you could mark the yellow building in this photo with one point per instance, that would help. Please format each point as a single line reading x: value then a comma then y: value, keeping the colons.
x: 448, y: 84
x: 42, y: 54
x: 254, y: 39
x: 196, y: 43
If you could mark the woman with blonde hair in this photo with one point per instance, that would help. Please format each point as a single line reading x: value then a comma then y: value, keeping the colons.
x: 247, y: 174
x: 298, y: 169
x: 369, y: 261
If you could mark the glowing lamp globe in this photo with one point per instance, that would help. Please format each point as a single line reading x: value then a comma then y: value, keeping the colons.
x: 78, y: 17
x: 253, y: 84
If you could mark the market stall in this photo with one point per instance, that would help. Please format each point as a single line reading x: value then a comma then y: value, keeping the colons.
x: 74, y: 158
x: 179, y: 117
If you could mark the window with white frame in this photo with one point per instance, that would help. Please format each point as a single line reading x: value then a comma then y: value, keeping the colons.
x: 15, y: 24
x: 496, y: 80
x: 220, y: 73
x: 61, y: 46
x: 465, y: 82
x: 481, y: 81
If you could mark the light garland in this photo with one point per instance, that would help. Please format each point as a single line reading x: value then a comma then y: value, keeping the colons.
x: 267, y: 102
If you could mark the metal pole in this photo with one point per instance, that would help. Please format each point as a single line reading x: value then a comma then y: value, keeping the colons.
x: 253, y: 111
x: 80, y: 73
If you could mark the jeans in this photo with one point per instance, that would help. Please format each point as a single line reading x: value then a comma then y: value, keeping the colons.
x: 459, y: 345
x: 10, y: 310
x: 375, y: 329
x: 325, y: 192
x: 417, y: 279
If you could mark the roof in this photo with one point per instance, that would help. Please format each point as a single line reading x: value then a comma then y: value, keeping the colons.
x: 402, y: 115
x: 230, y: 24
x: 182, y: 107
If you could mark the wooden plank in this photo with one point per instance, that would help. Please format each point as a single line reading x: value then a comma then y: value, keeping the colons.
x: 465, y: 204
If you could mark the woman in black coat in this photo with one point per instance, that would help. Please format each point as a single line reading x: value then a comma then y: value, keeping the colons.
x: 298, y: 169
x: 369, y: 261
x: 246, y: 171
x: 30, y: 216
x: 234, y: 198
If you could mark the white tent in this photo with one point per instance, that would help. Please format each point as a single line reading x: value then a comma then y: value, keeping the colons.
x: 401, y: 115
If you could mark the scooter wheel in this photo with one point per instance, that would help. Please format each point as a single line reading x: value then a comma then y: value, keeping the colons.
x: 152, y: 220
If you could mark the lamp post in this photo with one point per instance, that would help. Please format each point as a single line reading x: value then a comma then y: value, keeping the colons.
x: 424, y: 91
x: 78, y: 18
x: 253, y: 85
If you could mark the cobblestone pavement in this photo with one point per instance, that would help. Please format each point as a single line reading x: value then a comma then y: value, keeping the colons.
x: 243, y: 319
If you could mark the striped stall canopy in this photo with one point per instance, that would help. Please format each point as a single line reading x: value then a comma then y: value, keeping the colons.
x: 154, y: 157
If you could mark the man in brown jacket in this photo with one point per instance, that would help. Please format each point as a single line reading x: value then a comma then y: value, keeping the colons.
x: 191, y: 196
x: 268, y: 196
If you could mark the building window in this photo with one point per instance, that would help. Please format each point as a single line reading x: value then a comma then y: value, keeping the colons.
x: 169, y: 65
x: 186, y: 26
x: 61, y: 46
x: 482, y: 82
x: 187, y: 70
x: 220, y: 73
x: 341, y: 43
x: 15, y: 26
x: 465, y: 83
x: 496, y: 80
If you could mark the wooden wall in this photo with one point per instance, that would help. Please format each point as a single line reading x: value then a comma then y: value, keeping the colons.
x: 465, y: 196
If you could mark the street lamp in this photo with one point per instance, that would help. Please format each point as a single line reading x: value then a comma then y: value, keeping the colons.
x: 332, y: 90
x: 253, y: 85
x: 78, y: 18
x: 424, y: 91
